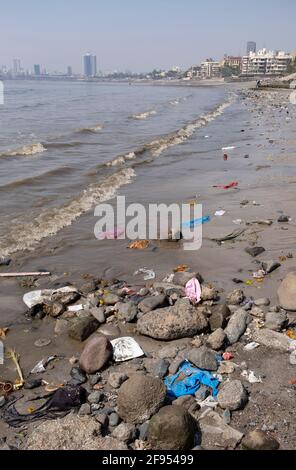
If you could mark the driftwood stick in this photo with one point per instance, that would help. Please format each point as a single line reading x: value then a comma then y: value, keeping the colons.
x: 40, y: 273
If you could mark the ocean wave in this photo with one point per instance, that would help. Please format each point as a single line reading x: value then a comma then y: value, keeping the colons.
x: 26, y: 150
x: 91, y: 129
x: 26, y: 236
x: 121, y: 159
x: 37, y: 179
x: 144, y: 115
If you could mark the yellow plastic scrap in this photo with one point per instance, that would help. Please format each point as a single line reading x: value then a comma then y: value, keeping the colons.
x: 249, y: 282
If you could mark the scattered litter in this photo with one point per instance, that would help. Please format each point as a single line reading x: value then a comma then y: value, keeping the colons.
x: 220, y: 213
x: 293, y: 381
x: 41, y: 365
x: 260, y: 222
x: 251, y: 377
x: 259, y: 274
x: 34, y: 274
x: 139, y: 245
x: 291, y: 334
x: 227, y: 356
x: 209, y: 402
x: 37, y: 297
x: 193, y: 291
x: 3, y: 332
x: 234, y: 184
x: 238, y: 221
x: 149, y: 274
x: 252, y: 346
x: 169, y: 278
x: 193, y: 379
x: 228, y: 148
x: 6, y: 388
x: 249, y: 282
x: 111, y: 234
x: 75, y: 308
x: 19, y: 383
x: 181, y: 268
x: 193, y: 223
x: 126, y: 348
x: 225, y: 157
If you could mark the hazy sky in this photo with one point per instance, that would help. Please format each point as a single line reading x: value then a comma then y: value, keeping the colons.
x: 139, y: 35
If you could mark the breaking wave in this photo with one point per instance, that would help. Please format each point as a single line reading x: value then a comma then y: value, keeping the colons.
x: 26, y: 150
x: 92, y: 129
x: 38, y: 179
x: 25, y: 236
x: 143, y: 115
x: 122, y: 159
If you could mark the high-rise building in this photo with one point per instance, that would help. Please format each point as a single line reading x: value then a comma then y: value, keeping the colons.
x: 210, y: 69
x: 37, y: 69
x: 266, y: 62
x: 69, y: 71
x: 90, y: 65
x: 16, y: 66
x: 251, y: 47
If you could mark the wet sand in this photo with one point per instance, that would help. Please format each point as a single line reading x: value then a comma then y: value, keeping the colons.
x: 263, y: 163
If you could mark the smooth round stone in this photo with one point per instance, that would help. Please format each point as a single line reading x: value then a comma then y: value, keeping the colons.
x: 110, y: 331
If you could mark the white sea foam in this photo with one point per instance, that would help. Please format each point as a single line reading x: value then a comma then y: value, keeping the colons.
x: 26, y: 150
x: 144, y: 115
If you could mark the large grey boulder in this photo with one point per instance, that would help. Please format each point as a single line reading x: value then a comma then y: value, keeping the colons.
x: 172, y: 428
x: 232, y: 396
x: 287, y: 292
x: 237, y: 326
x: 140, y: 397
x: 179, y: 321
x: 203, y: 358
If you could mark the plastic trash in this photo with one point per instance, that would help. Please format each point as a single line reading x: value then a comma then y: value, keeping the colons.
x: 111, y: 234
x: 251, y: 346
x: 37, y: 297
x: 234, y: 184
x: 193, y: 379
x: 149, y: 274
x: 139, y: 245
x: 228, y: 148
x: 75, y: 308
x: 209, y: 402
x: 126, y: 348
x: 251, y: 377
x: 220, y: 213
x: 238, y: 221
x: 193, y: 291
x: 259, y: 274
x: 195, y: 222
x: 227, y: 356
x: 41, y: 365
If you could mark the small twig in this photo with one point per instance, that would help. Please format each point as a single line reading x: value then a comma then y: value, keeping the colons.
x: 15, y: 358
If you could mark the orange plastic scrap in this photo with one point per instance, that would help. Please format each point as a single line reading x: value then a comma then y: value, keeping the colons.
x: 3, y: 332
x: 181, y: 268
x: 139, y: 245
x: 291, y: 334
x: 293, y: 381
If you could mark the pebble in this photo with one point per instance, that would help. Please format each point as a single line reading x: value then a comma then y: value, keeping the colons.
x: 94, y: 379
x: 31, y: 384
x: 161, y: 368
x: 254, y: 251
x: 95, y: 397
x: 78, y: 376
x: 114, y: 419
x: 2, y: 401
x: 84, y: 410
x: 264, y: 302
x: 292, y: 358
x: 116, y: 379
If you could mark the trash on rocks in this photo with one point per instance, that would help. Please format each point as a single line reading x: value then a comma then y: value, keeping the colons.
x: 41, y: 365
x: 251, y: 346
x: 195, y: 222
x: 209, y: 402
x: 234, y: 184
x: 193, y: 379
x: 139, y: 245
x: 193, y: 291
x: 227, y: 356
x: 6, y: 388
x: 181, y: 268
x: 251, y: 377
x: 228, y: 148
x: 126, y: 348
x: 220, y: 213
x: 259, y: 274
x: 238, y: 221
x: 291, y: 334
x: 40, y: 296
x: 149, y: 274
x: 75, y: 308
x: 34, y: 274
x: 3, y: 332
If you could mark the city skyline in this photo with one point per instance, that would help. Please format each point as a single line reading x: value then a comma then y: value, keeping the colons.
x: 126, y: 36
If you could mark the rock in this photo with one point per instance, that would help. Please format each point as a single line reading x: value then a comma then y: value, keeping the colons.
x: 254, y: 250
x: 236, y: 297
x: 189, y: 404
x: 287, y: 292
x: 216, y: 434
x: 292, y: 358
x: 143, y: 431
x: 276, y: 321
x: 172, y: 428
x: 98, y: 313
x: 65, y: 298
x: 116, y: 379
x: 126, y: 311
x: 209, y: 293
x: 2, y: 401
x: 226, y: 416
x: 88, y: 287
x: 175, y: 365
x: 202, y: 393
x: 153, y: 302
x: 168, y: 288
x: 161, y: 368
x: 219, y: 316
x: 61, y: 326
x: 272, y: 339
x: 95, y: 397
x: 140, y: 397
x: 264, y: 302
x: 196, y: 342
x: 270, y: 266
x: 42, y: 342
x: 81, y: 328
x: 30, y: 384
x: 78, y: 376
x: 179, y: 321
x: 182, y: 278
x: 96, y: 353
x: 170, y: 351
x: 110, y: 299
x: 260, y: 440
x: 114, y: 419
x: 54, y: 309
x: 125, y: 432
x: 237, y: 325
x: 94, y: 379
x: 71, y: 433
x: 257, y: 312
x: 217, y: 339
x: 283, y: 219
x: 84, y: 410
x: 203, y: 358
x: 102, y: 418
x: 232, y: 395
x: 111, y: 331
x: 226, y: 367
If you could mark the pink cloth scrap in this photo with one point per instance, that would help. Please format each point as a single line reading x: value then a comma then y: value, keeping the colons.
x: 193, y: 291
x: 111, y: 234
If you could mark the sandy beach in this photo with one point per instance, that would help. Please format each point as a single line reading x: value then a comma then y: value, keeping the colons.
x: 259, y: 130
